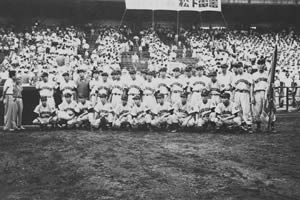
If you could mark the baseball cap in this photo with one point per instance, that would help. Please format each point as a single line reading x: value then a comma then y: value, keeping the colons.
x: 66, y: 74
x: 225, y: 95
x: 159, y: 96
x: 224, y: 66
x: 45, y: 74
x: 183, y: 95
x: 204, y: 93
x: 176, y: 69
x: 68, y: 94
x: 43, y: 98
x: 137, y: 97
x: 102, y: 95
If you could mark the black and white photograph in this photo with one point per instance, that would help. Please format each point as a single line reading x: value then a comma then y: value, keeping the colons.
x: 149, y: 99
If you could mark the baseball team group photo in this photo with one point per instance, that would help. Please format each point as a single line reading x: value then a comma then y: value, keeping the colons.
x: 149, y: 99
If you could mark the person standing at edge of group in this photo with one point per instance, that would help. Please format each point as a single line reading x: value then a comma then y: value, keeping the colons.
x: 18, y: 99
x: 8, y: 101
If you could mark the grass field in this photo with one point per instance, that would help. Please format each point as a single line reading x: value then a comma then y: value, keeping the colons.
x: 81, y: 165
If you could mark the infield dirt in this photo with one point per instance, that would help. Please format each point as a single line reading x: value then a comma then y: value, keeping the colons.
x: 82, y: 165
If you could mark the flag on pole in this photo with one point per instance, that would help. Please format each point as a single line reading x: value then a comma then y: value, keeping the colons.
x: 269, y: 104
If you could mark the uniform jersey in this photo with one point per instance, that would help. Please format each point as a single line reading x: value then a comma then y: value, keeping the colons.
x: 84, y: 107
x: 71, y: 108
x: 104, y: 87
x: 103, y: 108
x: 163, y: 85
x: 67, y: 87
x: 214, y: 88
x: 149, y: 88
x: 137, y: 111
x: 122, y: 110
x: 46, y: 88
x: 227, y: 111
x: 94, y: 84
x: 135, y: 86
x: 206, y: 108
x: 177, y: 84
x: 163, y: 109
x: 182, y: 110
x: 260, y: 81
x: 225, y: 81
x: 242, y: 82
x: 199, y: 83
x: 44, y: 111
x: 117, y: 87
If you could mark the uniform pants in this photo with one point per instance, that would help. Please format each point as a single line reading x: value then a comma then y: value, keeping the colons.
x: 243, y: 101
x: 9, y: 113
x: 123, y: 119
x: 19, y: 111
x: 149, y: 101
x: 237, y: 121
x: 175, y: 97
x: 195, y: 98
x: 116, y: 100
x: 164, y: 119
x: 259, y: 98
x: 215, y: 99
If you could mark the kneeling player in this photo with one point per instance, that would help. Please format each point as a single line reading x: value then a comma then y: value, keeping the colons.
x: 163, y: 113
x: 67, y: 112
x: 102, y: 115
x: 84, y: 106
x: 206, y: 110
x: 185, y: 113
x: 123, y: 118
x: 46, y: 114
x: 227, y: 114
x: 141, y: 117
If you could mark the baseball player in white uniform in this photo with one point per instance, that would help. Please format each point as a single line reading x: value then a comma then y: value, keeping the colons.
x: 177, y: 86
x: 102, y: 116
x: 117, y: 89
x: 135, y: 85
x: 45, y: 112
x: 197, y: 84
x: 163, y: 116
x: 206, y: 109
x: 227, y: 113
x: 149, y: 89
x: 140, y: 114
x: 46, y: 89
x: 242, y: 84
x: 122, y: 115
x: 67, y: 112
x: 260, y: 84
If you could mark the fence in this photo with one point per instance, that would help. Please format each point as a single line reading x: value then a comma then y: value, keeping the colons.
x: 286, y: 101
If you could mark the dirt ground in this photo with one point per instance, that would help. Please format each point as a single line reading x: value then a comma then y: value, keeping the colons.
x: 81, y: 165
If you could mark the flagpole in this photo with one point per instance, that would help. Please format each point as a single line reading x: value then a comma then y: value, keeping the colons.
x: 271, y: 92
x: 123, y: 16
x: 153, y: 25
x: 178, y: 23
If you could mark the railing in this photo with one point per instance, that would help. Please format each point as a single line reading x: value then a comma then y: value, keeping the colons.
x: 287, y: 98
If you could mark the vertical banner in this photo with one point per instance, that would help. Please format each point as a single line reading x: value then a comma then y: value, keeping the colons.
x: 176, y: 5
